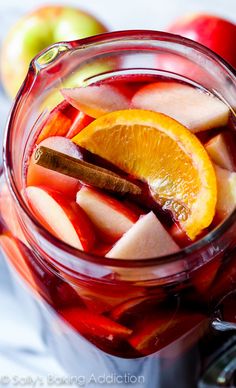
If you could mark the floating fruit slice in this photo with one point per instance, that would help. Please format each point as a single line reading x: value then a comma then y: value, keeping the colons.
x: 135, y: 305
x: 109, y: 215
x: 11, y: 247
x: 58, y: 121
x: 226, y: 198
x: 145, y: 239
x: 55, y: 291
x: 61, y: 217
x: 157, y: 149
x: 219, y: 152
x: 9, y: 214
x: 88, y: 323
x: 80, y: 122
x: 195, y: 109
x: 40, y: 176
x: 95, y: 101
x: 98, y: 300
x: 161, y: 328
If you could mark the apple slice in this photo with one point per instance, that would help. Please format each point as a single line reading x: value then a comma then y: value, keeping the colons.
x: 63, y: 218
x: 91, y: 324
x: 219, y: 153
x: 11, y: 248
x: 40, y: 176
x: 226, y: 192
x: 9, y: 214
x: 80, y: 122
x: 110, y: 216
x: 95, y: 101
x: 147, y: 238
x: 159, y: 329
x: 195, y: 109
x: 137, y: 305
x: 98, y: 300
x: 58, y: 121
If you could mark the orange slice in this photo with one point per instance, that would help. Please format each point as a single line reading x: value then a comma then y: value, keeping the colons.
x: 160, y: 151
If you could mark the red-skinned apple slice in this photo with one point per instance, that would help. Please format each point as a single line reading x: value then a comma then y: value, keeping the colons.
x: 96, y: 298
x: 59, y: 121
x: 147, y: 238
x: 89, y: 323
x: 226, y: 192
x: 161, y: 328
x: 80, y: 122
x: 135, y: 304
x: 38, y: 176
x: 64, y: 218
x: 56, y: 292
x: 96, y: 101
x: 219, y: 153
x: 9, y: 214
x: 110, y: 216
x: 173, y: 99
x: 11, y: 247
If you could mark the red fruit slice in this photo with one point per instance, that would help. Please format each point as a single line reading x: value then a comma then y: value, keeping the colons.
x: 132, y: 305
x: 156, y: 331
x: 110, y: 216
x: 98, y: 300
x: 88, y: 323
x: 204, y: 276
x: 40, y: 176
x: 80, y: 122
x: 55, y: 291
x: 58, y: 121
x: 65, y: 219
x: 12, y: 250
x: 9, y: 214
x: 95, y: 101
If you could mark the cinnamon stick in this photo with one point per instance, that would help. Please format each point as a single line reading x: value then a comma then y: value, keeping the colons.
x: 84, y: 171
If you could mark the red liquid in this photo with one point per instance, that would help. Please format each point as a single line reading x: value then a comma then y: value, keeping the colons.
x: 124, y: 320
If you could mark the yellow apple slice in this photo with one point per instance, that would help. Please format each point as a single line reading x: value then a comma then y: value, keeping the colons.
x: 95, y: 101
x: 109, y: 215
x: 195, y: 109
x: 226, y: 192
x: 147, y: 238
x: 219, y: 153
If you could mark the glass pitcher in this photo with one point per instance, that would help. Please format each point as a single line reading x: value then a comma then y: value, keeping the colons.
x: 182, y: 305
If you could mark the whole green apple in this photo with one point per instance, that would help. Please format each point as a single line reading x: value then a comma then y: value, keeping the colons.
x: 36, y: 31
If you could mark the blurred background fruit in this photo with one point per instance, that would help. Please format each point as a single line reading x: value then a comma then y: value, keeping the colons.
x: 214, y: 32
x: 37, y: 30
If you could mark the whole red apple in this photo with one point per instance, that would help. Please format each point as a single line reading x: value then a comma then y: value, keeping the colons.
x: 212, y: 31
x: 37, y: 30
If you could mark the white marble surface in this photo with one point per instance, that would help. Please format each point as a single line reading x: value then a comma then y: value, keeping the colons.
x: 21, y: 349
